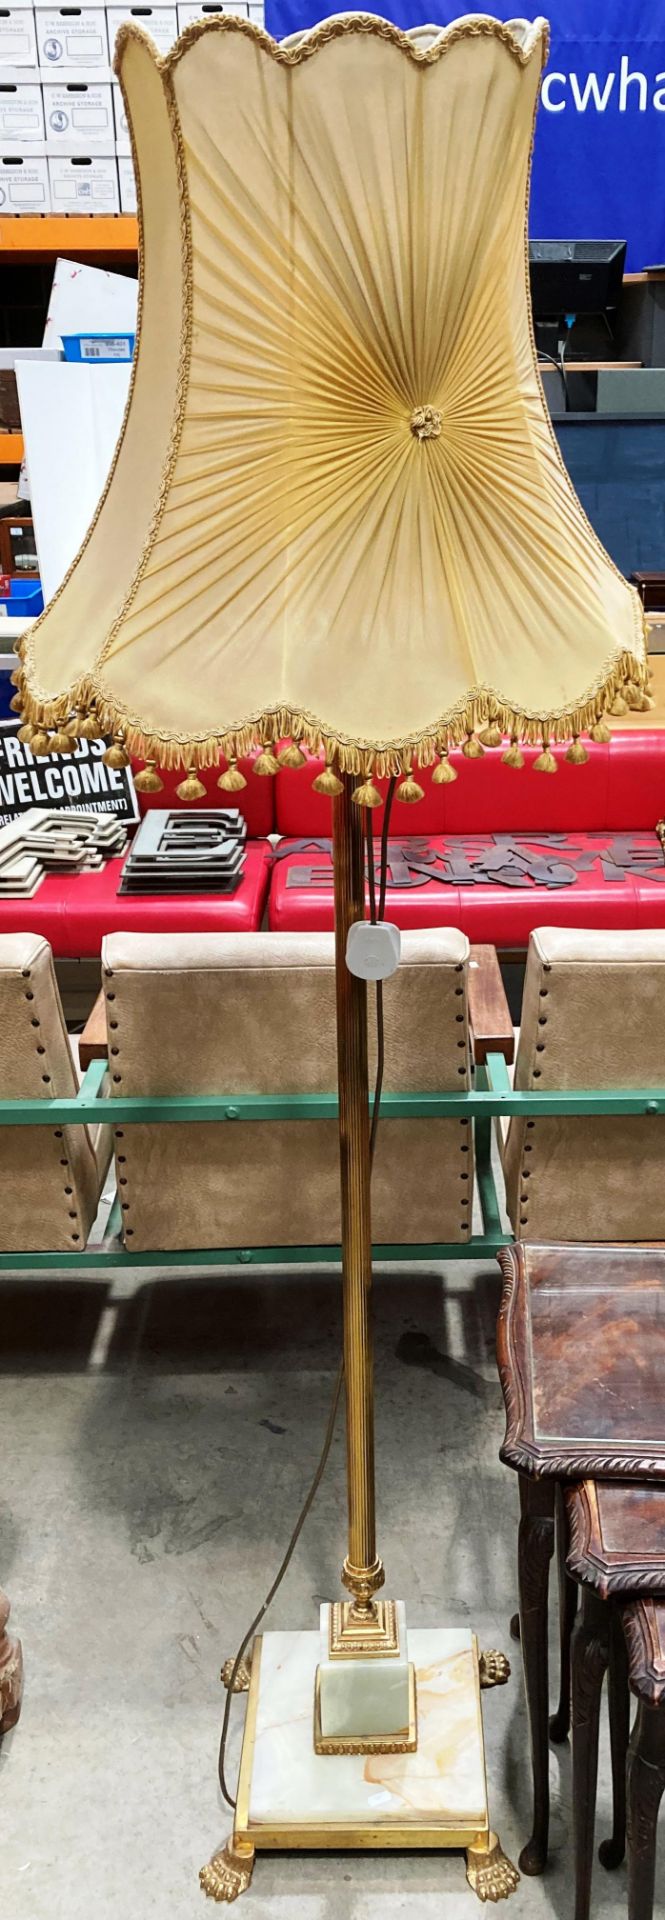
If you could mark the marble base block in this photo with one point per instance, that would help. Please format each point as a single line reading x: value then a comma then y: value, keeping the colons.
x: 291, y: 1796
x: 360, y: 1697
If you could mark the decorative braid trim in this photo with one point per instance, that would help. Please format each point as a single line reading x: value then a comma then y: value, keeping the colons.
x: 341, y: 26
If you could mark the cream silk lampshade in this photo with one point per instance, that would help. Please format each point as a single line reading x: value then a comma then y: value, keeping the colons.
x: 337, y: 511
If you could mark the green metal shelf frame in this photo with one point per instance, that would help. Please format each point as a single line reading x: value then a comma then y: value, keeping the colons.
x: 491, y: 1096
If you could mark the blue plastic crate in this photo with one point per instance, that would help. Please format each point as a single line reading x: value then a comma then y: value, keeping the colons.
x: 98, y: 349
x: 24, y: 597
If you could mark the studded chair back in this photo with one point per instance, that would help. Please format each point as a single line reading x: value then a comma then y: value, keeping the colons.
x: 235, y: 1013
x: 50, y: 1177
x: 592, y: 1018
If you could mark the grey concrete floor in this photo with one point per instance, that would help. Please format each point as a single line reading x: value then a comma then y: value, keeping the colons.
x: 157, y: 1436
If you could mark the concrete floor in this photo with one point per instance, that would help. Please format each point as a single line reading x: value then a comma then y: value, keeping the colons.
x: 156, y: 1441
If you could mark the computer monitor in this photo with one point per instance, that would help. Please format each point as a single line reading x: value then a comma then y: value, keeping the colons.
x: 575, y: 277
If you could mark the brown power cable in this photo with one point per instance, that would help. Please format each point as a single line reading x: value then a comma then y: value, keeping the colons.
x: 332, y: 1417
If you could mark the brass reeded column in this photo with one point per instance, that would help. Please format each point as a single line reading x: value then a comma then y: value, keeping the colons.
x: 362, y: 1572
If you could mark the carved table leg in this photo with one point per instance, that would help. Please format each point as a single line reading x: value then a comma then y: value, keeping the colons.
x: 611, y: 1852
x: 536, y: 1546
x: 11, y: 1671
x: 646, y: 1781
x: 591, y: 1653
x: 560, y: 1721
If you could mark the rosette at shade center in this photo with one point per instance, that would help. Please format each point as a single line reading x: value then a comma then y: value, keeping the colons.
x: 338, y: 509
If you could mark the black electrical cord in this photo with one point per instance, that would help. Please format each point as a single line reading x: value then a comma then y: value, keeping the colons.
x: 383, y: 882
x: 332, y: 1417
x: 293, y: 1542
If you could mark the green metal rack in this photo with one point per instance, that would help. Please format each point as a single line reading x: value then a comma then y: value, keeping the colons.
x: 492, y: 1095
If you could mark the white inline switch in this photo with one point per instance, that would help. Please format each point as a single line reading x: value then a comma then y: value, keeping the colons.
x: 373, y: 951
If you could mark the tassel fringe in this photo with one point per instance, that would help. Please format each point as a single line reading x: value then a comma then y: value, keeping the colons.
x: 192, y: 788
x: 291, y: 757
x: 232, y: 781
x: 546, y: 762
x: 367, y: 795
x: 637, y: 700
x: 409, y: 791
x: 96, y: 717
x: 443, y: 774
x: 148, y: 781
x: 116, y: 755
x: 39, y: 743
x: 577, y: 755
x: 62, y: 742
x: 327, y: 783
x: 267, y: 763
x: 514, y: 756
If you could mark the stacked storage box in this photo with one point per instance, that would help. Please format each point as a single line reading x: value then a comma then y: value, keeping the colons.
x: 24, y: 181
x: 64, y: 139
x: 164, y: 24
x: 78, y: 109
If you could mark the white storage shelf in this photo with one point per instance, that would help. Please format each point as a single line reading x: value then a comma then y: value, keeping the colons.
x: 64, y: 139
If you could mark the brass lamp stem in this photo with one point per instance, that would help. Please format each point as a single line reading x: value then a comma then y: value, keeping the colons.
x: 362, y: 1572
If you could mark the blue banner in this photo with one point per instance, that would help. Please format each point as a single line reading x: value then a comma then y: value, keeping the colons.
x: 599, y: 159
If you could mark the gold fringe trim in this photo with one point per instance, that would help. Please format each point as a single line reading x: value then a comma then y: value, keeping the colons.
x: 366, y: 761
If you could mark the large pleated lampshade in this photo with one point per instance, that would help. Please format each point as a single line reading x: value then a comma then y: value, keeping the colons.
x: 337, y: 509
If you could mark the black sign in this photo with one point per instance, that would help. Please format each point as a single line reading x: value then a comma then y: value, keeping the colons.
x: 78, y: 781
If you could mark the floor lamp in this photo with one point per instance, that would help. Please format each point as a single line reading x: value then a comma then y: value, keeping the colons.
x: 337, y: 517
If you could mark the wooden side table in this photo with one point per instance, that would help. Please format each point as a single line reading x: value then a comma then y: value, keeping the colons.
x: 617, y: 1549
x: 581, y: 1349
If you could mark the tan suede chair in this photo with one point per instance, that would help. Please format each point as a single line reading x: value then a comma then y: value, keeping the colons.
x: 593, y: 1017
x: 235, y: 1013
x: 50, y: 1177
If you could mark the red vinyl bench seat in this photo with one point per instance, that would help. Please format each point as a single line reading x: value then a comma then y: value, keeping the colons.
x: 572, y: 880
x: 75, y: 911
